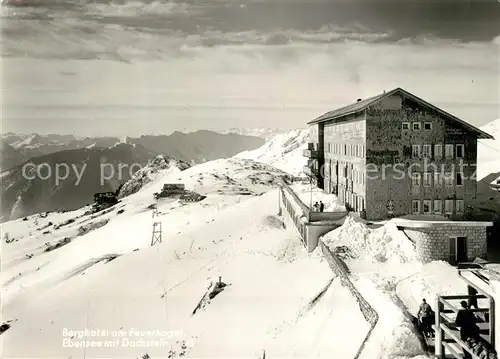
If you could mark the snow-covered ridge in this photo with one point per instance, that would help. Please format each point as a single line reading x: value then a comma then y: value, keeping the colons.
x: 147, y: 174
x: 283, y: 151
x: 488, y: 151
x: 492, y: 128
x: 265, y: 133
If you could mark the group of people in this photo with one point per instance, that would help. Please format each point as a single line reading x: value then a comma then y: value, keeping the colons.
x: 318, y: 207
x: 466, y: 320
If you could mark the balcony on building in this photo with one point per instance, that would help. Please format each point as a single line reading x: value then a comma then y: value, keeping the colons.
x: 310, y: 151
x: 310, y: 171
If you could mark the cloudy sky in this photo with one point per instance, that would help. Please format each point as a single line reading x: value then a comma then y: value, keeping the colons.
x: 149, y: 67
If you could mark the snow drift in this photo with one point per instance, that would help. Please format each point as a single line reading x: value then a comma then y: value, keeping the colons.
x: 383, y: 244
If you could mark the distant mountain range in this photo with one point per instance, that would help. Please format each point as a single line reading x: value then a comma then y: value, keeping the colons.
x: 199, y: 146
x: 265, y: 133
x: 87, y: 171
x: 194, y: 147
x: 26, y: 192
x: 18, y: 148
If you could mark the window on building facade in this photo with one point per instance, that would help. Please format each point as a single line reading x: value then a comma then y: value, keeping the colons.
x: 428, y: 126
x: 448, y: 206
x: 426, y: 206
x: 438, y: 179
x: 427, y: 179
x: 416, y: 126
x: 405, y: 126
x: 415, y: 150
x: 448, y: 179
x: 415, y: 179
x: 448, y: 151
x: 438, y: 151
x: 438, y: 204
x: 460, y: 151
x: 345, y: 150
x: 459, y: 179
x: 459, y: 206
x: 415, y: 206
x: 427, y: 151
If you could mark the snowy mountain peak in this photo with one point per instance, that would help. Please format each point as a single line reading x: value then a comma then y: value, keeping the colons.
x: 492, y: 128
x: 283, y: 151
x: 488, y: 151
x: 150, y: 172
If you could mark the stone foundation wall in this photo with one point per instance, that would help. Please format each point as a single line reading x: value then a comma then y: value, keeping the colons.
x: 433, y: 243
x: 294, y: 215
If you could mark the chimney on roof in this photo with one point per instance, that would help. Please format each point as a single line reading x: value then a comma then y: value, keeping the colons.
x: 359, y: 100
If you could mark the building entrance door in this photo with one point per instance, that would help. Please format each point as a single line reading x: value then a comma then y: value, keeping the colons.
x: 458, y: 250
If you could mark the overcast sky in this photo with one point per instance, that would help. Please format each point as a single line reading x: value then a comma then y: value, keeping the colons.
x: 151, y: 67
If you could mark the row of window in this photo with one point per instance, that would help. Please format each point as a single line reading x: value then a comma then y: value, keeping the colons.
x: 450, y: 151
x: 347, y: 170
x: 428, y: 206
x: 439, y: 177
x: 416, y: 126
x: 346, y: 149
x: 354, y: 200
x: 344, y: 128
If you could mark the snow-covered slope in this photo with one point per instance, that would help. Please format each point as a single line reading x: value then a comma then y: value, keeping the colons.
x: 67, y: 272
x: 488, y: 151
x: 74, y: 281
x: 283, y: 151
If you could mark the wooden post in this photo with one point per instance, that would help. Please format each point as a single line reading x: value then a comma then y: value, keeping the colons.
x: 439, y: 333
x: 492, y: 322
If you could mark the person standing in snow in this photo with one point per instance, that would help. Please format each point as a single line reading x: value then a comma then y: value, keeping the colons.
x: 321, y: 206
x: 316, y: 207
x: 425, y: 317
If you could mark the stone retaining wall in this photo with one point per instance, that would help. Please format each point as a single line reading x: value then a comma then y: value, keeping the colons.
x: 286, y: 187
x: 339, y: 267
x: 296, y: 217
x: 336, y: 264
